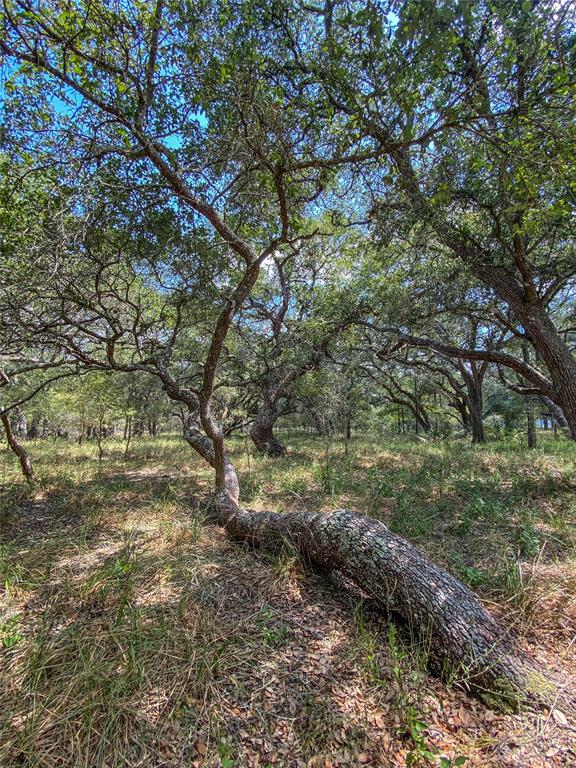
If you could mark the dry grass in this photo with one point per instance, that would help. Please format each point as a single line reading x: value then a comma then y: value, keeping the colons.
x: 134, y: 635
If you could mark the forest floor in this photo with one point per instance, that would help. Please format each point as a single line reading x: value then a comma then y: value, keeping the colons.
x: 132, y: 634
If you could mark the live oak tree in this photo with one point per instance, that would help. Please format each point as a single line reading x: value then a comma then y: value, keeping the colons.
x: 470, y: 110
x: 155, y: 114
x: 462, y: 377
x: 422, y: 315
x: 25, y: 369
x: 292, y: 319
x: 275, y: 351
x: 423, y: 311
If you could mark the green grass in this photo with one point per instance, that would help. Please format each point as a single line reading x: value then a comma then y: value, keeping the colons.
x: 130, y: 632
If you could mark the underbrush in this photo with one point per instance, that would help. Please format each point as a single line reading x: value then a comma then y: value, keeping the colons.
x: 133, y: 634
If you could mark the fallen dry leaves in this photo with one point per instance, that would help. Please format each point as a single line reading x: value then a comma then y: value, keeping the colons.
x: 303, y: 690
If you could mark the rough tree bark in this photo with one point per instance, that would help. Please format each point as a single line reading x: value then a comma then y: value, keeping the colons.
x: 474, y: 402
x: 460, y: 631
x: 262, y: 430
x: 473, y: 377
x: 15, y: 446
x: 557, y: 356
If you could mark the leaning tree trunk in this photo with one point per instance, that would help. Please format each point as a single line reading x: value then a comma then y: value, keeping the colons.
x: 15, y: 446
x: 435, y: 604
x: 396, y: 574
x: 262, y: 431
x: 557, y: 356
x: 459, y: 629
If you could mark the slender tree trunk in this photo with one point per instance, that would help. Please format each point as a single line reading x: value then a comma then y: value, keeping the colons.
x: 475, y: 404
x: 531, y: 423
x: 226, y: 484
x: 21, y: 429
x: 99, y: 440
x: 347, y: 433
x: 15, y: 446
x: 127, y: 436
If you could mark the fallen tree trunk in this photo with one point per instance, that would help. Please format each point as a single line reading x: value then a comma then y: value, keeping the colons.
x: 460, y: 631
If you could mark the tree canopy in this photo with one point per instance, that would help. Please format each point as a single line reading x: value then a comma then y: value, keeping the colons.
x: 345, y: 213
